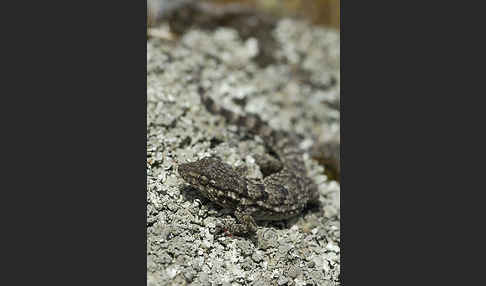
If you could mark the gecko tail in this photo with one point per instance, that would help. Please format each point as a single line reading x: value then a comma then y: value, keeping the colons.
x: 252, y: 122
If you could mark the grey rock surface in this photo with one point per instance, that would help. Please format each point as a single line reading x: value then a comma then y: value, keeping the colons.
x: 296, y: 89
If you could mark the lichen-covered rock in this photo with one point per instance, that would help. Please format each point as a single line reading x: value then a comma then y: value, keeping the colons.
x: 296, y: 89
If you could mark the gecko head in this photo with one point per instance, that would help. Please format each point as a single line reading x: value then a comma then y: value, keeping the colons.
x: 209, y: 173
x: 201, y: 172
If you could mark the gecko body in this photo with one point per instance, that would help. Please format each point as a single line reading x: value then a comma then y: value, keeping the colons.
x: 284, y: 191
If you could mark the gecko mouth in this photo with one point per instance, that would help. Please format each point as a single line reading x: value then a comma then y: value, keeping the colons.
x: 189, y: 173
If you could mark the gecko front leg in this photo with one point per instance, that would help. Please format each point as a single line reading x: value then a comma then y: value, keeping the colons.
x: 245, y: 224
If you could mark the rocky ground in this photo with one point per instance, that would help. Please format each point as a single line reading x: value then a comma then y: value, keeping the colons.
x: 286, y: 71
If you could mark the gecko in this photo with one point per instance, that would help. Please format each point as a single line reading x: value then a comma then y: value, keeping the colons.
x: 282, y: 194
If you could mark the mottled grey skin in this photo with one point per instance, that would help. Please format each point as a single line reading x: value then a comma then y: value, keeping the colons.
x: 284, y: 191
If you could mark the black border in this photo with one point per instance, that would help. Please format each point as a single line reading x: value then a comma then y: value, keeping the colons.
x: 73, y: 126
x: 410, y: 143
x: 75, y: 143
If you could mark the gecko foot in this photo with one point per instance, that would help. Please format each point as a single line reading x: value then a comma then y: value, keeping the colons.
x: 245, y: 226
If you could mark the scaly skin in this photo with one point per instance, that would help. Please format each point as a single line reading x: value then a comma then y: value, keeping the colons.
x: 284, y: 192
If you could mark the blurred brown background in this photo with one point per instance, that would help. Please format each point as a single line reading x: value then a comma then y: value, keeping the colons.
x: 322, y: 12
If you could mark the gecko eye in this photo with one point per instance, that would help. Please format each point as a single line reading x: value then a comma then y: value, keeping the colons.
x: 204, y: 180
